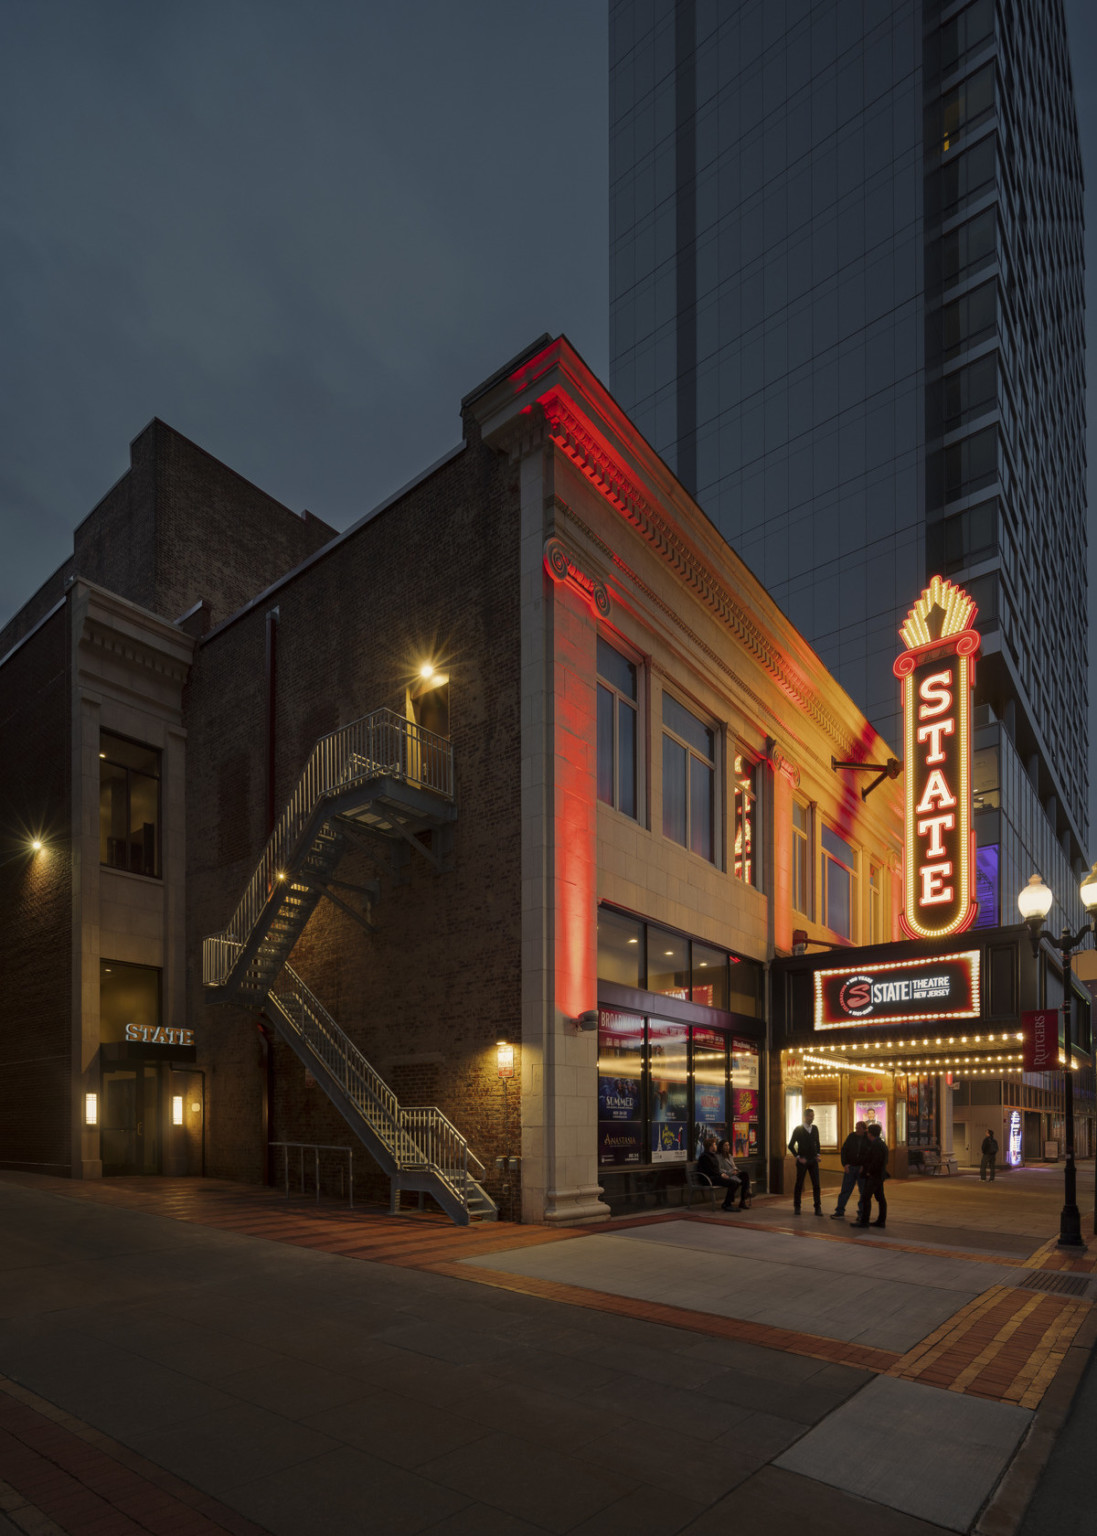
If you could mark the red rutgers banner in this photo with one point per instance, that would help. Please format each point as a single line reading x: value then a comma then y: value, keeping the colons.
x: 938, y: 676
x: 1040, y: 1047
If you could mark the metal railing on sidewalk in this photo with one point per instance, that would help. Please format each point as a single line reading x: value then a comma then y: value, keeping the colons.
x: 315, y: 1148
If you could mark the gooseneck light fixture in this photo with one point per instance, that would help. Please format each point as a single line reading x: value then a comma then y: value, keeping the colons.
x: 1034, y: 904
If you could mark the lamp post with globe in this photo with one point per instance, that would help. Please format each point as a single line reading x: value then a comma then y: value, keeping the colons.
x: 1034, y: 903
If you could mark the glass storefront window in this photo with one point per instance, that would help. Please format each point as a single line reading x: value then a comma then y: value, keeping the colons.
x: 620, y: 948
x: 710, y: 1092
x: 746, y: 987
x: 669, y: 1097
x: 710, y: 976
x: 620, y: 1089
x: 668, y: 963
x: 746, y: 1104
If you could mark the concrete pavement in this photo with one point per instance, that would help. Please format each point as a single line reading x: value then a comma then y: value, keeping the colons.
x: 245, y: 1363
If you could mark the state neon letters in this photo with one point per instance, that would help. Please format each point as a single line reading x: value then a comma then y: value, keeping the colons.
x: 938, y: 674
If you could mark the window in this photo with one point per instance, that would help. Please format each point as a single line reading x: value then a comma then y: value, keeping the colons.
x: 970, y: 535
x: 969, y: 392
x: 801, y: 858
x: 129, y: 805
x: 689, y: 780
x: 746, y: 841
x: 967, y: 104
x: 876, y: 933
x: 971, y: 464
x: 968, y: 247
x: 973, y: 27
x: 616, y: 729
x: 839, y: 883
x: 984, y: 779
x: 710, y: 976
x: 668, y: 963
x: 968, y: 173
x: 621, y: 954
x: 969, y: 320
x: 128, y: 994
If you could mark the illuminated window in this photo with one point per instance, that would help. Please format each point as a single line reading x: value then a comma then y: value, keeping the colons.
x: 129, y: 805
x: 839, y: 891
x: 689, y: 780
x: 747, y: 846
x: 801, y: 858
x: 617, y: 711
x: 967, y: 104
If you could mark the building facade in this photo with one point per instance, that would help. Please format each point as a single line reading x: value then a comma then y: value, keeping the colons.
x: 465, y: 837
x: 846, y: 288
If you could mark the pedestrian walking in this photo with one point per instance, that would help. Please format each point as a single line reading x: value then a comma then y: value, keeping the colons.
x: 989, y: 1150
x: 875, y: 1165
x: 852, y: 1154
x: 804, y: 1146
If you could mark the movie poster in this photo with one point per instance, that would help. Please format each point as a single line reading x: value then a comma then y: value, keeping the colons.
x: 667, y: 1045
x: 620, y: 1089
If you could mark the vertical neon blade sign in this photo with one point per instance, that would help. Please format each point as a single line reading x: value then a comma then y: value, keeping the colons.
x: 937, y: 671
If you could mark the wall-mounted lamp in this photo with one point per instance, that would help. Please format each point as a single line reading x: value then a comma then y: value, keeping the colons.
x: 504, y: 1059
x: 91, y: 1109
x: 36, y: 845
x: 177, y: 1109
x: 585, y: 1021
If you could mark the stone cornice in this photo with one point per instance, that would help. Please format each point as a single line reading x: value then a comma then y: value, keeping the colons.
x: 132, y: 652
x: 573, y: 437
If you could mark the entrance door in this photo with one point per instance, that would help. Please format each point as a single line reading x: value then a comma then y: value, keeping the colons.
x: 130, y: 1135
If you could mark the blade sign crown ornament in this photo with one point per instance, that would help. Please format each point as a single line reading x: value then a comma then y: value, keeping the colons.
x: 937, y: 672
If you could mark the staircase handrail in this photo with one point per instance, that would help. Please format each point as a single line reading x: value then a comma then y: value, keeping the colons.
x: 380, y: 743
x: 362, y: 1084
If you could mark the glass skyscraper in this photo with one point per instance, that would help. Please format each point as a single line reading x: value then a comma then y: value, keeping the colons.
x: 847, y: 308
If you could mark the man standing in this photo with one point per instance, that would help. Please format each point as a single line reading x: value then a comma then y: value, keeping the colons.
x: 853, y: 1151
x: 990, y: 1154
x: 875, y: 1165
x: 804, y: 1146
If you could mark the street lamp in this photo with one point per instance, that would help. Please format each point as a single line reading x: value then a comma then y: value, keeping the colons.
x: 1035, y: 904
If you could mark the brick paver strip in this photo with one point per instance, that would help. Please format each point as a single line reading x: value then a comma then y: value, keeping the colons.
x: 60, y: 1475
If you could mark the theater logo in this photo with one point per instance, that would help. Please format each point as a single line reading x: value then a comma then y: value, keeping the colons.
x: 937, y: 671
x: 901, y: 992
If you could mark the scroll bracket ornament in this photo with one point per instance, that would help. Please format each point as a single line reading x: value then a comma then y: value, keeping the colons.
x: 562, y: 566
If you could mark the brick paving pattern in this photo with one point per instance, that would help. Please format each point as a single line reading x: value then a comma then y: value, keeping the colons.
x: 58, y: 1474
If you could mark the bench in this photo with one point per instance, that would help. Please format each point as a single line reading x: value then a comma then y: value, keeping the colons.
x: 929, y: 1160
x: 696, y: 1180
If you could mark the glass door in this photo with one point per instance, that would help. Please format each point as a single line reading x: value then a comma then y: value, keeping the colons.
x: 130, y: 1134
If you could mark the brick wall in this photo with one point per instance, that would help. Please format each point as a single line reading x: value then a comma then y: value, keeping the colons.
x: 35, y: 903
x: 433, y: 575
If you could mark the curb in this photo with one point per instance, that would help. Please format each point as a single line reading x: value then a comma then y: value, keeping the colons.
x: 1006, y: 1507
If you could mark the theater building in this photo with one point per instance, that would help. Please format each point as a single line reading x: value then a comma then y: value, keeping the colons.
x: 463, y: 839
x: 927, y: 1037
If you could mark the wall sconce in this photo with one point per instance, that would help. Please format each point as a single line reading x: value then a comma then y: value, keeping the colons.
x: 585, y: 1021
x: 504, y: 1059
x: 36, y: 845
x: 91, y: 1109
x: 177, y: 1109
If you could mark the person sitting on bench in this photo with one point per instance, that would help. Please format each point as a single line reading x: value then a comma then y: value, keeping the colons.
x: 708, y: 1165
x: 732, y: 1175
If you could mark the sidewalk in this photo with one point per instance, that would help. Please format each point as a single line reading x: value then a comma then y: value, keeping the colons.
x: 194, y: 1356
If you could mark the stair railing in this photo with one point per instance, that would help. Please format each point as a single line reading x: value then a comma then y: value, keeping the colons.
x: 443, y: 1149
x: 380, y: 744
x: 326, y: 1040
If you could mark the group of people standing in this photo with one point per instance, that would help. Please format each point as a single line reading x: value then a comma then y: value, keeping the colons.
x: 864, y: 1166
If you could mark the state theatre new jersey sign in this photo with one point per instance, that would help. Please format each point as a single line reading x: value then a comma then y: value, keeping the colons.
x: 898, y: 992
x: 937, y: 671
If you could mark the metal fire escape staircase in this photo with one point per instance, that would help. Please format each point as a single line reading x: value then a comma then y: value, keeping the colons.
x: 379, y: 777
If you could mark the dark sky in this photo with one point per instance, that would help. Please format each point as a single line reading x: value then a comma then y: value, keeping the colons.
x: 298, y: 231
